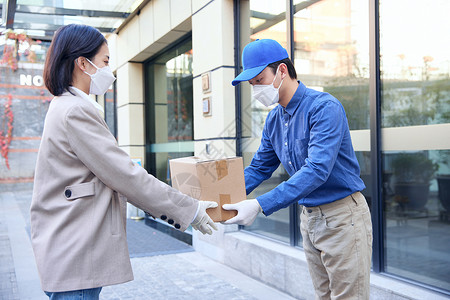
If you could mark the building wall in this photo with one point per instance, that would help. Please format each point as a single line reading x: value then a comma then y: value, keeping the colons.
x: 159, y: 24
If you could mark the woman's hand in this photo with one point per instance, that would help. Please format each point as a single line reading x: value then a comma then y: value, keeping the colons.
x: 202, y: 222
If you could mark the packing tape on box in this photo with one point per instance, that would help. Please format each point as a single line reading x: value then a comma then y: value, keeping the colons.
x: 225, y: 199
x: 221, y: 169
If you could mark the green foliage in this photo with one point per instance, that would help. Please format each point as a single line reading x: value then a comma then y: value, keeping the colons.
x: 353, y: 93
x: 416, y: 103
x: 413, y: 168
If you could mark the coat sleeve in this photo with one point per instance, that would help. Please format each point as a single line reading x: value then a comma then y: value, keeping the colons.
x: 96, y: 147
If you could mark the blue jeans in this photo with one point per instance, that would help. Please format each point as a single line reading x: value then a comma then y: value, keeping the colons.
x: 88, y: 294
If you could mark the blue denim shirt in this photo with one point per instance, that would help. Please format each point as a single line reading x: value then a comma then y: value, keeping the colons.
x: 311, y: 138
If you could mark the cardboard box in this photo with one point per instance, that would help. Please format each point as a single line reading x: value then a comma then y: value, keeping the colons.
x: 219, y: 180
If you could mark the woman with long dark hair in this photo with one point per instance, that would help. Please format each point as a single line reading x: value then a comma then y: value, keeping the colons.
x: 83, y: 179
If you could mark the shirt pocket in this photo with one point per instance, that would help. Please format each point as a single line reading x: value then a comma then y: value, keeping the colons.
x: 78, y: 191
x: 301, y: 150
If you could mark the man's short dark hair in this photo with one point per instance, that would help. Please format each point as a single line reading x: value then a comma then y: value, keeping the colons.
x: 69, y: 43
x: 288, y: 63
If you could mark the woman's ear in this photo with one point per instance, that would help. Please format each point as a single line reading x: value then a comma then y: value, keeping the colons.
x: 81, y: 63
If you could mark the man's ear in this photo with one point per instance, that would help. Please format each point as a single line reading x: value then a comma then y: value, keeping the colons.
x: 284, y: 70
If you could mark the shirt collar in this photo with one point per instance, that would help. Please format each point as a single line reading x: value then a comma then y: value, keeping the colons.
x: 296, y: 99
x: 86, y: 97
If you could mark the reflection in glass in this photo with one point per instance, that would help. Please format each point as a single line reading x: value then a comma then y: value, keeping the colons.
x: 331, y: 54
x: 262, y: 19
x: 417, y: 216
x: 110, y: 111
x: 363, y: 158
x: 170, y: 110
x: 415, y: 72
x: 276, y: 226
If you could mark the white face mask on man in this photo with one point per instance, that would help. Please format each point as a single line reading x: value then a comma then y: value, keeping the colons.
x: 100, y: 80
x: 267, y: 94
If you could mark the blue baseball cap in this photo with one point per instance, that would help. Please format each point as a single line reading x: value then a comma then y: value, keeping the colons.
x: 257, y: 55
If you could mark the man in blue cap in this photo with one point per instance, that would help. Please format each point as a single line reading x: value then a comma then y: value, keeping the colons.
x: 308, y: 133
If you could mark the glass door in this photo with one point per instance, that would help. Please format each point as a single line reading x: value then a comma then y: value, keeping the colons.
x: 169, y: 108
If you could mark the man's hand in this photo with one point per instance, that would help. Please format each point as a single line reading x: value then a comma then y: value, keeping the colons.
x: 247, y: 212
x: 202, y: 220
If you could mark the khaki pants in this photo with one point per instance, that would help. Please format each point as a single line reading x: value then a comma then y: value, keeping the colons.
x: 337, y: 240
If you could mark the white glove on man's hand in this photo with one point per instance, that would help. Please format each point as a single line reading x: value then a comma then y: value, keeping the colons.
x: 247, y: 212
x: 202, y: 220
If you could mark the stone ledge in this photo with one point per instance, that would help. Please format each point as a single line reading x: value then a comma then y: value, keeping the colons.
x: 284, y: 268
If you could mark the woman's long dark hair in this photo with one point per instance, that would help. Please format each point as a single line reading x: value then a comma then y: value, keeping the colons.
x: 69, y: 43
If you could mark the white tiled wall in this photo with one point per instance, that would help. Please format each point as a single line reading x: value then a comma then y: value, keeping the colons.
x: 130, y: 85
x: 221, y: 123
x: 180, y: 10
x: 198, y: 4
x: 158, y: 24
x: 213, y: 44
x: 213, y: 53
x: 131, y: 125
x: 146, y: 26
x: 112, y: 45
x: 161, y: 18
x: 122, y: 85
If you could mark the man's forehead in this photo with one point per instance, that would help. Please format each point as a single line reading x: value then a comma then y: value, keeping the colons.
x: 262, y: 72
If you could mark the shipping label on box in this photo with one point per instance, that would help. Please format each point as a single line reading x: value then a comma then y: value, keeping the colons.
x: 219, y: 180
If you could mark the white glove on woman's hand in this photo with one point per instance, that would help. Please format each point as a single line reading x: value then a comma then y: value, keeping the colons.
x: 247, y: 212
x: 202, y: 220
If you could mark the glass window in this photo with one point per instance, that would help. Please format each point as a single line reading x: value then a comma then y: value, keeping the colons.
x: 415, y: 118
x: 110, y: 109
x: 169, y: 109
x: 262, y: 19
x: 331, y: 54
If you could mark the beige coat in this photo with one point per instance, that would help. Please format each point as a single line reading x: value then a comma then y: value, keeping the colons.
x: 77, y: 216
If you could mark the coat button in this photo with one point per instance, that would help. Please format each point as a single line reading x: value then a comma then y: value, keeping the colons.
x: 163, y: 217
x: 68, y: 193
x: 177, y: 226
x: 170, y: 221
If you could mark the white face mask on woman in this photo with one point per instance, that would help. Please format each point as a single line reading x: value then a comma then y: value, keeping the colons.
x: 267, y: 94
x: 100, y: 80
